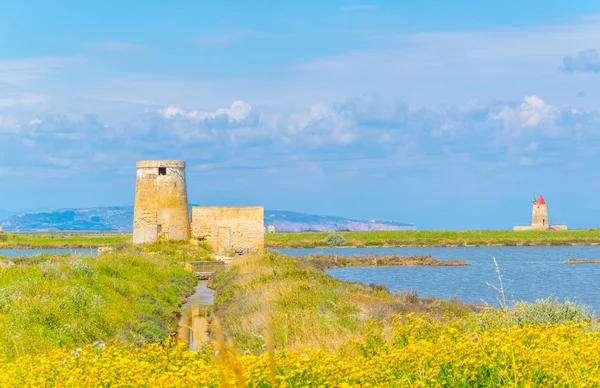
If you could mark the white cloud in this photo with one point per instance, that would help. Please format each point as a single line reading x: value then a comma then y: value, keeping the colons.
x: 533, y: 113
x: 357, y: 129
x: 236, y: 113
x: 171, y: 111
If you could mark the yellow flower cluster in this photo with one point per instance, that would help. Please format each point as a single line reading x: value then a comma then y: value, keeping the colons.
x: 411, y: 350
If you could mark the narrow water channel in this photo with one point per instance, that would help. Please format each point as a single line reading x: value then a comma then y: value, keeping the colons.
x: 193, y: 324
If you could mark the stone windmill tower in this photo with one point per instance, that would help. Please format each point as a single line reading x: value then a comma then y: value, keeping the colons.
x: 539, y: 216
x: 161, y: 203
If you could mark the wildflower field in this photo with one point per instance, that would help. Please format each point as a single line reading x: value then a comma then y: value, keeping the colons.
x: 416, y: 351
x: 277, y: 321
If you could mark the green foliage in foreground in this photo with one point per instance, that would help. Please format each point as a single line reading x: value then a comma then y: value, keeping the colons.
x: 48, y: 301
x: 57, y: 240
x: 436, y: 238
x: 549, y: 310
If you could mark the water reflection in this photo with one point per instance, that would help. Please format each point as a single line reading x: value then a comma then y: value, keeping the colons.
x: 193, y: 325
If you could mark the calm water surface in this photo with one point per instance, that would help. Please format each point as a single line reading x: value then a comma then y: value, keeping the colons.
x: 193, y: 325
x: 528, y: 273
x: 33, y: 252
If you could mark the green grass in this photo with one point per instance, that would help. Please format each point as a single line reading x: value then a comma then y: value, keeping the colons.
x: 305, y: 306
x: 56, y: 240
x: 134, y: 293
x: 426, y: 238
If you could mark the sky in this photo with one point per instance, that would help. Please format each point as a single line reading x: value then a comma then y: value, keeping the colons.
x: 445, y: 114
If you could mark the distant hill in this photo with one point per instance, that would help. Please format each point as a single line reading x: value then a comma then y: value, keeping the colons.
x: 286, y: 221
x: 121, y: 218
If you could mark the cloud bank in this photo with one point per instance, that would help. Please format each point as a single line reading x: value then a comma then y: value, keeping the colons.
x: 587, y: 61
x: 238, y: 137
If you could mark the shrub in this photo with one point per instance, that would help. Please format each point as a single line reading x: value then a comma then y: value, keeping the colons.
x: 549, y: 311
x: 3, y: 237
x: 335, y: 240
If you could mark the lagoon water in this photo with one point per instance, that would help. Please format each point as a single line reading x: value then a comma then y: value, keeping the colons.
x: 528, y: 273
x: 33, y: 252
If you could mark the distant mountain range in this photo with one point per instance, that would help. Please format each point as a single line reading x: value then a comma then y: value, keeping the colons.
x: 120, y: 218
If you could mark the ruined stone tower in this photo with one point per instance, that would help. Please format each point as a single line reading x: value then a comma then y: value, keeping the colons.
x: 161, y: 204
x: 539, y: 217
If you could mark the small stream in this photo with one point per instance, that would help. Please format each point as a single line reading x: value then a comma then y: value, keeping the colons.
x: 193, y: 324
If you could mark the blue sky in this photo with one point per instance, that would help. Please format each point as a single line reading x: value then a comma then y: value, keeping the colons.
x: 446, y: 114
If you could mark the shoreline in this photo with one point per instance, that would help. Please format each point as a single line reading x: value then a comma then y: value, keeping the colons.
x: 591, y: 244
x: 19, y: 246
x: 42, y: 246
x: 576, y: 261
x: 325, y: 262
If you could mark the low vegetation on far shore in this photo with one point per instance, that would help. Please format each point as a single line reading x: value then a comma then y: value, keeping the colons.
x: 423, y: 238
x: 434, y: 238
x: 58, y: 240
x: 334, y: 261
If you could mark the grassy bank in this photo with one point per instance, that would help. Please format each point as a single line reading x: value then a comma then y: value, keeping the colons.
x: 318, y: 331
x: 305, y: 306
x: 434, y: 238
x: 57, y: 240
x: 51, y: 301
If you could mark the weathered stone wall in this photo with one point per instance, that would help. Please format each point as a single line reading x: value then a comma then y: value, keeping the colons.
x: 558, y: 227
x: 539, y: 216
x: 225, y: 229
x: 529, y: 227
x: 551, y: 227
x: 161, y: 204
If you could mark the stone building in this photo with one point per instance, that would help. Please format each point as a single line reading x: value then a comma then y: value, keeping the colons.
x: 539, y: 218
x: 161, y: 204
x: 271, y: 228
x: 226, y: 229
